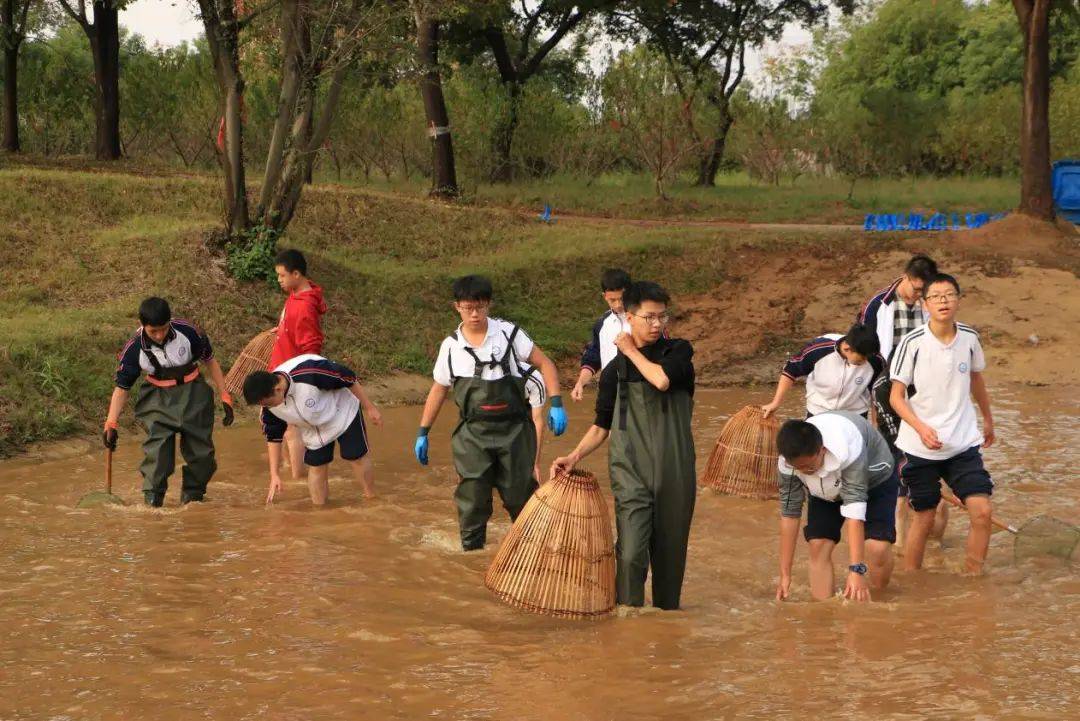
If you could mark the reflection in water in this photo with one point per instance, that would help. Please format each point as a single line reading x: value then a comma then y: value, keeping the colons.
x: 370, y: 610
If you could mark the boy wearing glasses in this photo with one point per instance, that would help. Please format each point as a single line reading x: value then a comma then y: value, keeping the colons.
x: 494, y: 443
x: 935, y: 372
x: 842, y: 463
x: 645, y: 405
x: 892, y: 313
x: 897, y: 310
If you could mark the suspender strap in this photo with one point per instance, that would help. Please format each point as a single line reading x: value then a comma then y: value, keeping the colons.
x: 624, y: 391
x: 163, y: 377
x: 478, y: 365
x: 509, y: 354
x: 504, y: 362
x: 449, y: 360
x: 153, y: 361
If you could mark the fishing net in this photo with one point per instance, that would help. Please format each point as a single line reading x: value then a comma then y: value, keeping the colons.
x: 106, y: 497
x: 254, y: 357
x: 743, y: 463
x: 1046, y: 536
x: 559, y: 557
x: 99, y: 498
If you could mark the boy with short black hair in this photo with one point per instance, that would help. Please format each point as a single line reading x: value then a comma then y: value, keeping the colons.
x: 897, y: 310
x: 299, y: 331
x: 645, y: 405
x: 841, y: 461
x: 839, y: 372
x: 494, y: 443
x: 935, y: 372
x: 173, y: 400
x: 601, y: 349
x: 325, y: 402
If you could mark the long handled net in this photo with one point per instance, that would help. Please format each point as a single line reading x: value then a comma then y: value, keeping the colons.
x: 1046, y: 536
x: 254, y: 357
x: 559, y: 557
x: 743, y: 462
x: 1039, y: 536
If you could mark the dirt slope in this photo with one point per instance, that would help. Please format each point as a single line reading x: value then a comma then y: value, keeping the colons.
x: 1020, y: 291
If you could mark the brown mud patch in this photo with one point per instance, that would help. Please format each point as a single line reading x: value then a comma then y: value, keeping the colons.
x: 1025, y: 302
x: 398, y: 389
x: 742, y: 329
x: 1016, y: 237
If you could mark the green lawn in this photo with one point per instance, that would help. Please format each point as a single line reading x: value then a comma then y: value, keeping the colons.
x: 737, y: 198
x: 87, y: 246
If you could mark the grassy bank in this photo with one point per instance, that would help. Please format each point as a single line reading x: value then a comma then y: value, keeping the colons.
x: 87, y: 246
x: 737, y: 198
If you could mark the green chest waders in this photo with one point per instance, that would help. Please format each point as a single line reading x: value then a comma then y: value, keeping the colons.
x: 494, y: 446
x: 654, y: 481
x: 187, y: 409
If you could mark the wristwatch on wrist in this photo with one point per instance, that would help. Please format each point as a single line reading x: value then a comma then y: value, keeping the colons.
x: 859, y: 568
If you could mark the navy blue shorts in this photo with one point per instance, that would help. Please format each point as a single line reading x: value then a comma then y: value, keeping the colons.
x: 353, y: 443
x: 823, y: 519
x: 964, y: 473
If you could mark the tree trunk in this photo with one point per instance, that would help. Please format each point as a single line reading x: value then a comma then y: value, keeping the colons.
x: 236, y: 183
x: 710, y: 164
x: 443, y: 175
x: 308, y: 135
x: 292, y: 36
x: 105, y: 45
x: 223, y: 38
x: 11, y: 95
x: 503, y: 141
x: 1036, y: 193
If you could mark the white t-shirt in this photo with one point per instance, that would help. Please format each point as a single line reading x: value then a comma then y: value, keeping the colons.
x: 613, y: 325
x: 941, y: 377
x: 843, y: 446
x: 454, y: 361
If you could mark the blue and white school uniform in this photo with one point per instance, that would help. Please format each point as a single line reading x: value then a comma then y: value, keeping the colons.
x: 601, y: 349
x: 832, y: 382
x: 319, y: 403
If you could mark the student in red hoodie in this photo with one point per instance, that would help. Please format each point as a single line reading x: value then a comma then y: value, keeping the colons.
x: 299, y: 331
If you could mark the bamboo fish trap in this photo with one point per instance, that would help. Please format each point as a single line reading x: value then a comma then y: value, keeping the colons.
x: 743, y: 463
x: 254, y: 357
x: 559, y: 557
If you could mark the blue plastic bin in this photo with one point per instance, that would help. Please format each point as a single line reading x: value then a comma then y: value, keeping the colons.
x: 1066, y: 185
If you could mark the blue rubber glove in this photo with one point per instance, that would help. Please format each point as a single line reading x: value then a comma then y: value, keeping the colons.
x: 557, y: 416
x: 420, y: 448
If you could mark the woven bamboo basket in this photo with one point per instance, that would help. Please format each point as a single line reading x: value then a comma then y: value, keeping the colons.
x: 254, y: 357
x: 559, y: 557
x: 743, y: 463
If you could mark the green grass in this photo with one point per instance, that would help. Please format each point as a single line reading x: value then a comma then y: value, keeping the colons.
x: 737, y: 198
x: 88, y: 245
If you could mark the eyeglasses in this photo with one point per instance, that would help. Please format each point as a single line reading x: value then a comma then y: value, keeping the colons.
x: 470, y: 308
x: 654, y: 318
x: 942, y: 297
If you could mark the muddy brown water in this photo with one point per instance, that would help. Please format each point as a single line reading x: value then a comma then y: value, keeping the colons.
x: 368, y: 610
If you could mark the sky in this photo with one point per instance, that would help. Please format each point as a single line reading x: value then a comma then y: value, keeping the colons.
x: 169, y: 22
x: 166, y: 22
